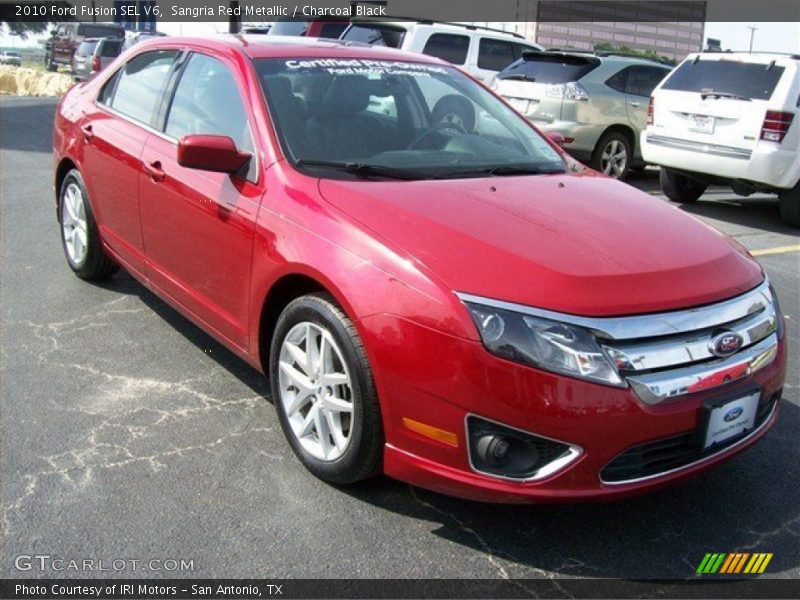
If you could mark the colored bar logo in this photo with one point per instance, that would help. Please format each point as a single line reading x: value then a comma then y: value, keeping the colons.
x: 734, y: 563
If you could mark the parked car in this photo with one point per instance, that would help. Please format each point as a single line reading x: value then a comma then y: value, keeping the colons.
x: 597, y: 102
x: 471, y: 312
x: 93, y: 55
x: 728, y: 119
x: 65, y: 39
x: 9, y: 57
x: 322, y: 28
x: 480, y: 51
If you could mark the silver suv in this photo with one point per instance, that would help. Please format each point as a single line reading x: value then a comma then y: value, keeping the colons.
x: 597, y: 102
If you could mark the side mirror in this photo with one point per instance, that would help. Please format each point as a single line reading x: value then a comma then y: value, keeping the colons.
x: 558, y: 139
x: 211, y: 153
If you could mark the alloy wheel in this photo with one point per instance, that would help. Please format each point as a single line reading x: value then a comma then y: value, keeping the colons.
x: 74, y: 224
x: 614, y: 159
x: 316, y: 391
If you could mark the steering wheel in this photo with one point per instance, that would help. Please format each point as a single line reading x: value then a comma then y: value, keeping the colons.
x: 452, y: 126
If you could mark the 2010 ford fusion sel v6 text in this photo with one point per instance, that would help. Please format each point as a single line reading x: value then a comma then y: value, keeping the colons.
x: 434, y: 289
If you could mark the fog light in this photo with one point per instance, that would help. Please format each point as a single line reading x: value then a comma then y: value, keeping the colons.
x: 498, y: 450
x: 493, y: 449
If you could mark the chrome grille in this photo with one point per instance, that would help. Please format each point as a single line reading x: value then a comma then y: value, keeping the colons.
x: 665, y: 366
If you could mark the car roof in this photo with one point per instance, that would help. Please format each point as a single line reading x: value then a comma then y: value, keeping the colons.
x: 277, y: 46
x: 753, y: 57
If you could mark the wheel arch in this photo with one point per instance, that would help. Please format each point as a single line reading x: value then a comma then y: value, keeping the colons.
x: 65, y: 166
x: 287, y: 287
x: 625, y: 130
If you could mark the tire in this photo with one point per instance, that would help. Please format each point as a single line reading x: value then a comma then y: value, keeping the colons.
x: 612, y: 155
x: 79, y: 237
x: 790, y: 206
x: 680, y: 188
x: 329, y: 456
x: 49, y: 62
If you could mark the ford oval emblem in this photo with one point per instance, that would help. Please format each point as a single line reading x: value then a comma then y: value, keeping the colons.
x: 733, y: 414
x: 726, y: 343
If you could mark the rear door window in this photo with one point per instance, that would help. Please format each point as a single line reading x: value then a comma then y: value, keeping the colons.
x: 449, y: 47
x: 377, y: 35
x: 749, y: 80
x: 495, y: 55
x: 140, y: 84
x: 550, y: 68
x: 637, y: 80
x: 642, y: 80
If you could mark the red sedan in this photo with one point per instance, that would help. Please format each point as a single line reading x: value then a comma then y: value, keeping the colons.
x: 434, y: 289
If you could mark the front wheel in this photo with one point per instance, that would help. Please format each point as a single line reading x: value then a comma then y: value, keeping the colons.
x: 79, y: 236
x: 323, y: 391
x: 790, y: 206
x: 680, y: 188
x: 49, y: 63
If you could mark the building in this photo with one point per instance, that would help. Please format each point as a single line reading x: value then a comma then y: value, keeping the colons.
x: 671, y: 29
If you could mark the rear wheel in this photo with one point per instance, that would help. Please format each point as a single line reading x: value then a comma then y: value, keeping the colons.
x: 323, y: 391
x: 790, y: 206
x: 79, y: 237
x: 680, y: 188
x: 613, y: 155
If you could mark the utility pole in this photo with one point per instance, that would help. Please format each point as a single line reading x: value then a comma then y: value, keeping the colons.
x: 752, y: 33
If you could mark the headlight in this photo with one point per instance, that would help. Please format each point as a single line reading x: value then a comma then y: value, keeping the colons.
x: 549, y: 345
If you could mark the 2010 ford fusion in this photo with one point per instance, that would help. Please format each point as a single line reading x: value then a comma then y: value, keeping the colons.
x: 434, y: 289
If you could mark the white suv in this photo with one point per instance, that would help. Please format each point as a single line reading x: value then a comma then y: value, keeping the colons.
x: 728, y: 119
x: 480, y: 51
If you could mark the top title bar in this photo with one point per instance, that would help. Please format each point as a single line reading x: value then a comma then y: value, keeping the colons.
x: 587, y: 11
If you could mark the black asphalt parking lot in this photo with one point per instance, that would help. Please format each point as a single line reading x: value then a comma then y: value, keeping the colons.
x: 129, y: 433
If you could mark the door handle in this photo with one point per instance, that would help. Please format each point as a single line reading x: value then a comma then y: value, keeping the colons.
x: 635, y: 104
x: 154, y: 170
x: 88, y: 133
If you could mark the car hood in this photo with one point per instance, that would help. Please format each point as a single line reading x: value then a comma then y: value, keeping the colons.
x: 576, y: 243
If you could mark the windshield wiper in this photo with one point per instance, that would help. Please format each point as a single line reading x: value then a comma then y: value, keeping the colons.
x: 363, y: 169
x: 705, y: 95
x: 519, y: 77
x: 500, y: 170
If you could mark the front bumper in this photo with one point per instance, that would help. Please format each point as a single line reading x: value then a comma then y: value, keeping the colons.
x: 433, y: 378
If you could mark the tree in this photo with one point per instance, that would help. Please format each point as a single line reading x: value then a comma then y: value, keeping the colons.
x: 24, y: 28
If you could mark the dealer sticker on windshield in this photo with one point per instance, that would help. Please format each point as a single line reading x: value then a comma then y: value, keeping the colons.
x: 732, y: 419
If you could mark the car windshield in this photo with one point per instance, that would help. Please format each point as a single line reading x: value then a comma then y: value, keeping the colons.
x: 396, y: 119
